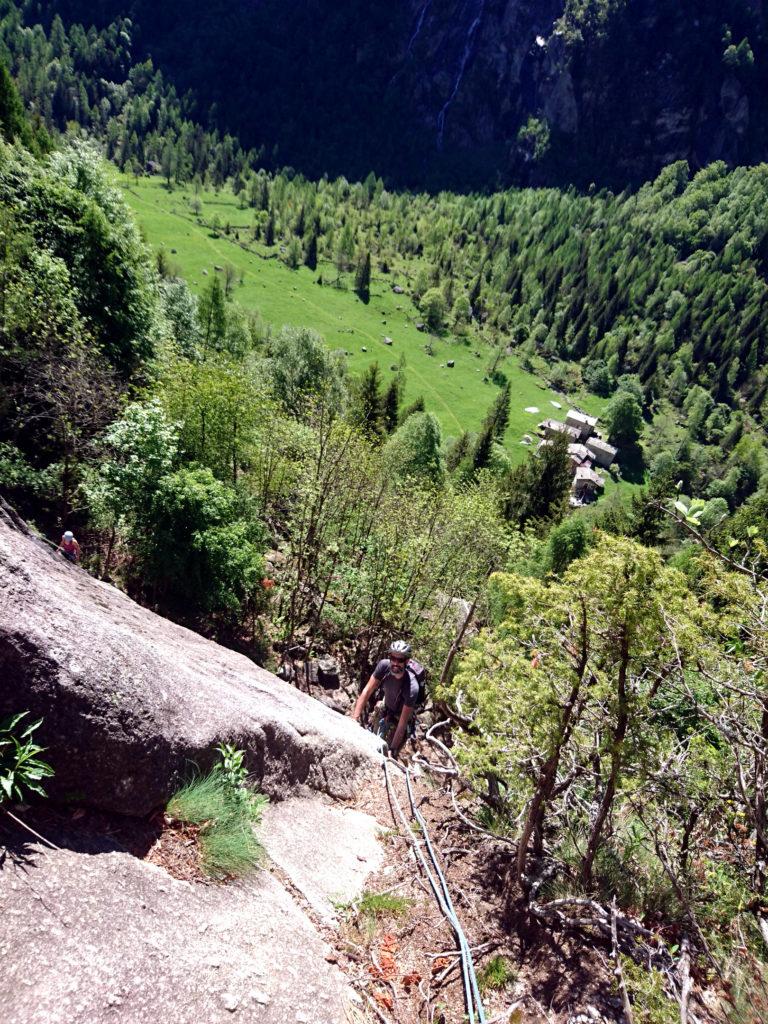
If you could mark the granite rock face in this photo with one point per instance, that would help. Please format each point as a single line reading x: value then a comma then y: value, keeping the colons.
x: 130, y: 701
x: 113, y: 938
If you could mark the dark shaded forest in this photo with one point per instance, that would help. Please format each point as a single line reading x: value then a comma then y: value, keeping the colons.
x: 464, y: 95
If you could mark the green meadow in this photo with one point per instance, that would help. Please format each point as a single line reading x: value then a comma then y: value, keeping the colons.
x: 459, y: 396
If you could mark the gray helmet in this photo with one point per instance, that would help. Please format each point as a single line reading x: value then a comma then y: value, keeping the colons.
x: 400, y: 648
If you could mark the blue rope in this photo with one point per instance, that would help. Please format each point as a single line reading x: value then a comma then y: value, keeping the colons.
x: 453, y: 917
x: 444, y: 901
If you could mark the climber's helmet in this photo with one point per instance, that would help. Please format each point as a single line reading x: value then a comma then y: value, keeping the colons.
x: 399, y: 653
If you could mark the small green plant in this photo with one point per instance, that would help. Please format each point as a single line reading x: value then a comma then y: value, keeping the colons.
x: 364, y: 913
x: 376, y: 905
x: 650, y: 1003
x: 496, y: 974
x: 232, y: 764
x: 20, y: 767
x: 226, y: 810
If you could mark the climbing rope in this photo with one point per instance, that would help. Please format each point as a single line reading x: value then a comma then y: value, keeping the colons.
x: 439, y: 887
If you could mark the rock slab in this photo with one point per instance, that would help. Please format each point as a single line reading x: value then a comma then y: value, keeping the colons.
x: 131, y: 701
x: 86, y: 939
x: 326, y: 851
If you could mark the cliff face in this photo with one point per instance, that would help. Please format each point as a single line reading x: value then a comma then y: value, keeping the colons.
x: 469, y: 92
x: 615, y: 95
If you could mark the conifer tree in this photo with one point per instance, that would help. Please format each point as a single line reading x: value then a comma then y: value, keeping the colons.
x: 457, y: 452
x: 367, y: 410
x: 391, y: 404
x: 269, y: 231
x: 310, y: 254
x: 213, y: 315
x: 498, y: 415
x: 538, y: 489
x: 481, y: 453
x: 416, y: 406
x: 363, y: 276
x: 13, y: 124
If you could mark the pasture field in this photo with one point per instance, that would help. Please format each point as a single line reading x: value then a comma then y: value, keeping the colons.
x: 457, y: 395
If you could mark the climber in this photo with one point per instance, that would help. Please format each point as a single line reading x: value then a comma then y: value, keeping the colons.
x: 69, y: 547
x: 402, y: 680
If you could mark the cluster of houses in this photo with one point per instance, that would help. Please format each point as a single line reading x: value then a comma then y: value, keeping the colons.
x: 586, y: 450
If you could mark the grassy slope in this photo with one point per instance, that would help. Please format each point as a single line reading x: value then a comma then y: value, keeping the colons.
x: 457, y: 396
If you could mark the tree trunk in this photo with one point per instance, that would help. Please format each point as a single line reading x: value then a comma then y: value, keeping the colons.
x: 617, y: 748
x: 534, y: 821
x: 761, y: 849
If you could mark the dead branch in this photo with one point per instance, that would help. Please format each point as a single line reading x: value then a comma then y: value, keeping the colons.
x: 479, y: 828
x: 685, y: 980
x: 618, y: 973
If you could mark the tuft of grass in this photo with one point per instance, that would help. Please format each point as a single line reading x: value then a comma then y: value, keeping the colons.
x: 376, y: 905
x: 364, y: 914
x: 226, y: 815
x: 496, y: 974
x: 201, y: 799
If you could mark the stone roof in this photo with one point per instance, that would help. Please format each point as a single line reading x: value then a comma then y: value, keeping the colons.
x: 579, y: 451
x: 558, y: 427
x: 582, y: 418
x: 588, y: 476
x: 601, y: 446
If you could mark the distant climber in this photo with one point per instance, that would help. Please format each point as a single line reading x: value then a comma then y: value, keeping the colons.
x: 402, y: 681
x: 69, y: 547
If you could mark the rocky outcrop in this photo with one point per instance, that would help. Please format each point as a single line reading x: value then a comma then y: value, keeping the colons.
x: 620, y: 89
x: 113, y: 938
x: 130, y: 701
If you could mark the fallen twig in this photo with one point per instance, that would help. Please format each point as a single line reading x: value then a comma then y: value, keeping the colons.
x: 376, y: 1010
x: 29, y: 829
x: 436, y: 768
x: 479, y: 828
x: 472, y: 949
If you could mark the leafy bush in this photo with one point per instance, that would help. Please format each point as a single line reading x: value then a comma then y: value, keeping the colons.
x: 20, y: 767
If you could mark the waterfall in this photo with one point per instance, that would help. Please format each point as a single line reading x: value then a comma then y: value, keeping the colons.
x: 467, y: 52
x: 419, y: 22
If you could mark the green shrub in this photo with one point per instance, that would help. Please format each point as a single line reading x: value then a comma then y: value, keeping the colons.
x: 20, y: 767
x: 650, y: 1003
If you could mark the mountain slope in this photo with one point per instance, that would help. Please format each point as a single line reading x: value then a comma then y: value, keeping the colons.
x: 468, y: 92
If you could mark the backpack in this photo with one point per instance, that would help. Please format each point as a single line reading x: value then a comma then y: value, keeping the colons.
x: 419, y: 673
